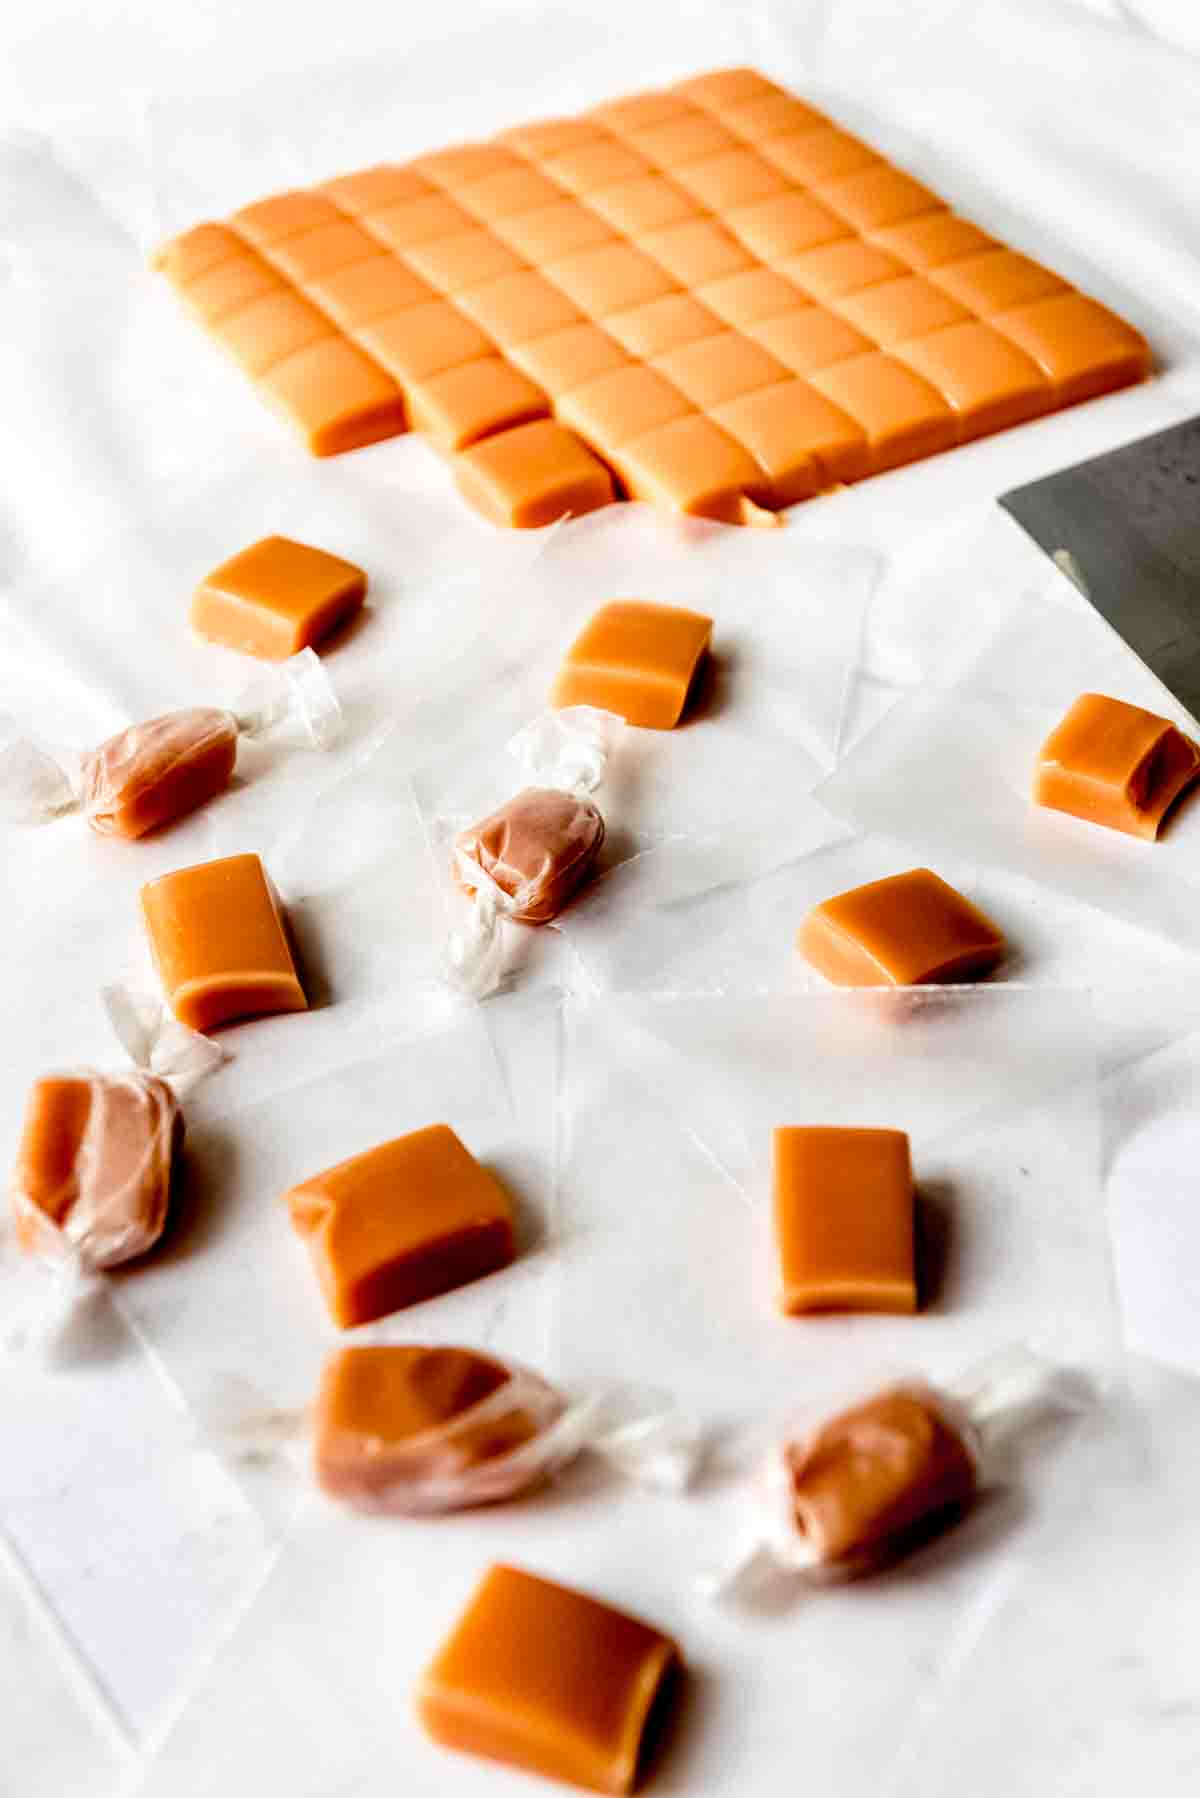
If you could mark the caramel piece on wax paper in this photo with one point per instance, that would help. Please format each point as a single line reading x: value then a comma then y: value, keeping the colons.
x: 276, y: 598
x: 1115, y: 764
x: 532, y: 475
x: 844, y: 1220
x: 637, y: 659
x: 908, y: 930
x: 537, y: 847
x: 151, y: 773
x: 399, y: 1429
x: 218, y: 941
x: 877, y: 1478
x: 543, y: 1677
x: 95, y: 1162
x: 402, y: 1222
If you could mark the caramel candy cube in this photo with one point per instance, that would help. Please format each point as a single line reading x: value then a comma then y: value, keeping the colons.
x: 375, y: 189
x: 637, y: 659
x: 647, y: 204
x: 218, y: 941
x: 721, y: 368
x: 625, y: 403
x: 895, y: 312
x: 612, y: 277
x: 538, y: 848
x: 814, y: 157
x: 844, y: 1220
x: 730, y: 179
x: 662, y: 324
x: 697, y: 250
x: 878, y: 195
x: 692, y: 466
x: 553, y: 231
x: 1115, y: 764
x: 402, y: 1222
x: 932, y: 239
x: 811, y: 337
x: 531, y: 475
x: 543, y: 1677
x: 908, y: 930
x: 802, y: 440
x: 334, y: 396
x: 904, y: 417
x: 846, y: 265
x: 990, y: 383
x: 515, y: 309
x: 1084, y: 349
x: 785, y: 224
x: 276, y: 598
x: 271, y: 329
x: 227, y: 287
x: 477, y: 399
x: 997, y: 280
x: 95, y: 1162
x: 569, y: 358
x: 399, y: 1430
x: 879, y: 1478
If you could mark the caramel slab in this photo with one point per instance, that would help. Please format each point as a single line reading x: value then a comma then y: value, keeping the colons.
x: 722, y: 205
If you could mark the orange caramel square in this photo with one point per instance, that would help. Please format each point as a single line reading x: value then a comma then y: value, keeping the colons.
x: 400, y: 1223
x: 844, y: 1220
x: 911, y: 929
x: 276, y: 598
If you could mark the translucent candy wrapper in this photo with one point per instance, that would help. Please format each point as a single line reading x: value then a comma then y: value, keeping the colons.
x: 891, y: 1469
x: 505, y: 1430
x: 716, y: 797
x: 664, y: 1184
x: 950, y: 769
x: 150, y: 774
x: 526, y: 860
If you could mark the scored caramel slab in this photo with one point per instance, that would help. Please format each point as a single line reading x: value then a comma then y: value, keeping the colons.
x: 809, y: 314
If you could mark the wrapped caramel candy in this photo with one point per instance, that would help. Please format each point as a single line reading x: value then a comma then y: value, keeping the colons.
x: 410, y: 1430
x: 150, y: 774
x: 95, y: 1169
x: 94, y: 1164
x: 537, y: 848
x: 526, y: 859
x: 877, y: 1479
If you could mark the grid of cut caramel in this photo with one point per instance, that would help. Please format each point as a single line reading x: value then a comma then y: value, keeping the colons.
x: 713, y: 286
